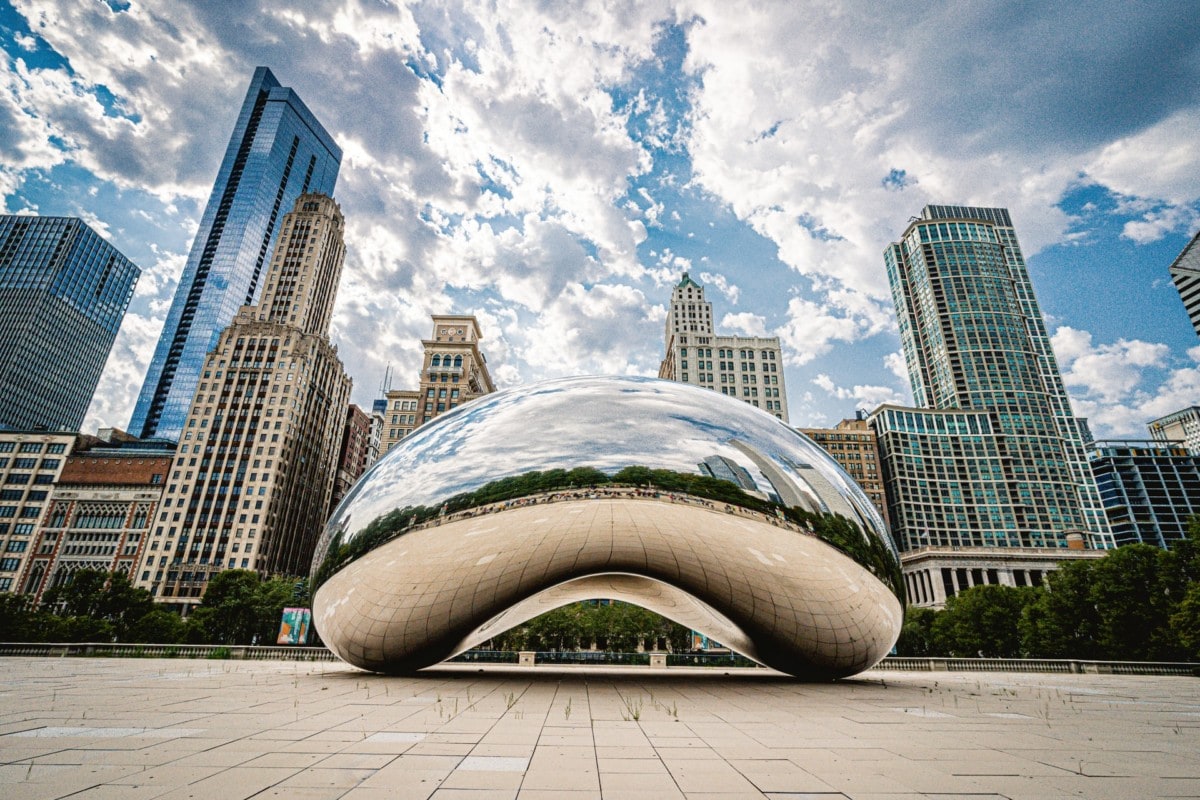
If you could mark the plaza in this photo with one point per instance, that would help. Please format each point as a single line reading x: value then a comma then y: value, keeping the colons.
x: 175, y: 728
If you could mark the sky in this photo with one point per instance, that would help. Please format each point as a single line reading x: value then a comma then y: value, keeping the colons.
x: 553, y: 167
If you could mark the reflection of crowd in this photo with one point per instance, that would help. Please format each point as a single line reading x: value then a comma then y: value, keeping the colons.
x: 611, y: 493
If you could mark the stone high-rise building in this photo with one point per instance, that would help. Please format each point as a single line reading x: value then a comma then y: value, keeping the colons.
x: 100, y: 512
x: 1185, y: 272
x: 355, y: 454
x: 278, y: 151
x: 852, y: 444
x: 63, y: 295
x: 747, y: 367
x: 30, y: 463
x: 251, y: 481
x: 453, y: 371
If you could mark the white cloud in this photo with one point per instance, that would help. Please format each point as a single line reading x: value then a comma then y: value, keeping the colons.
x: 722, y: 285
x: 746, y: 323
x: 866, y: 397
x: 811, y: 331
x: 1120, y: 387
x: 1108, y: 371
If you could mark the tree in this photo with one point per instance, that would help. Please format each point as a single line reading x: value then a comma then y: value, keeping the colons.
x: 983, y: 621
x: 99, y: 606
x: 1134, y: 592
x: 1062, y: 622
x: 916, y: 636
x: 240, y: 608
x: 1185, y: 623
x: 157, y: 627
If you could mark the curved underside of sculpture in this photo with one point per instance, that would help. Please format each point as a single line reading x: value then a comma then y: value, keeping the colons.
x: 786, y: 600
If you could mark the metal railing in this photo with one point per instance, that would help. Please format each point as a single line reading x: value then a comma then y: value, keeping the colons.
x: 723, y: 660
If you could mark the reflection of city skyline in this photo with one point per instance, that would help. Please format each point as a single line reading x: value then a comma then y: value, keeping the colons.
x: 570, y: 423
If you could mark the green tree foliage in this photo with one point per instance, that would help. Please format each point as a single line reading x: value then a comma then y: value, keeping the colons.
x: 1062, y: 622
x: 1185, y: 623
x: 916, y: 636
x: 613, y: 627
x: 98, y: 606
x: 239, y: 607
x: 1135, y: 590
x: 983, y: 622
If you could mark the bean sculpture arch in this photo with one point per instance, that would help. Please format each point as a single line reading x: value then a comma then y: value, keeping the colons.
x: 681, y: 500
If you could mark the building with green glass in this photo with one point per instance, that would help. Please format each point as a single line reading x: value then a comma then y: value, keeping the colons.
x: 993, y: 456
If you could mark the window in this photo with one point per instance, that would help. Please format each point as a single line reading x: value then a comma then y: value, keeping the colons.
x: 30, y: 447
x: 16, y: 546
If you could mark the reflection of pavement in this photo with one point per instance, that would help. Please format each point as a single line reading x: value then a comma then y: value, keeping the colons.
x: 142, y: 728
x: 791, y: 601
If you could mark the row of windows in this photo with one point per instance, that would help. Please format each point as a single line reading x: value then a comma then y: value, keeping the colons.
x: 32, y: 447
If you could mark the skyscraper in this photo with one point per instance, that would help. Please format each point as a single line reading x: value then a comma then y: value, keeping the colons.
x: 63, y: 294
x: 1185, y: 272
x: 747, y: 367
x: 278, y: 151
x: 989, y: 476
x: 251, y: 480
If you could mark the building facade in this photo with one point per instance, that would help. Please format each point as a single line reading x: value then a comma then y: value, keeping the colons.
x: 30, y: 463
x: 1185, y: 272
x: 749, y: 368
x: 251, y: 481
x: 1181, y: 427
x: 355, y: 454
x: 993, y: 456
x: 99, y: 513
x: 278, y: 152
x: 453, y: 371
x: 853, y: 444
x: 63, y: 295
x: 1149, y: 489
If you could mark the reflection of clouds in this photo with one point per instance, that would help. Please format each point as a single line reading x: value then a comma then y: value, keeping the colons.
x: 607, y: 423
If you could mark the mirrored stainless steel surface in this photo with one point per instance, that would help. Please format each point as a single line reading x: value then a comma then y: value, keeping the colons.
x: 667, y: 475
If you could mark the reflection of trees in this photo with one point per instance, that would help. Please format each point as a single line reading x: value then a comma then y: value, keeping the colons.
x: 614, y: 627
x: 868, y: 550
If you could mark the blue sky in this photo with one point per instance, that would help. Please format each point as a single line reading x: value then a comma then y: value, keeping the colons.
x: 552, y: 167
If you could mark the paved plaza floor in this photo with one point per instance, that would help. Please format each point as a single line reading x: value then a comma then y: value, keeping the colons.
x: 133, y: 729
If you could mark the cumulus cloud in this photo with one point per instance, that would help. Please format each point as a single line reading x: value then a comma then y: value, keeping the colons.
x: 1122, y: 386
x: 866, y: 397
x: 553, y: 167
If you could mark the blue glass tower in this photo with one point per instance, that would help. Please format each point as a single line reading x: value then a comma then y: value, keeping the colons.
x: 63, y: 294
x: 278, y: 151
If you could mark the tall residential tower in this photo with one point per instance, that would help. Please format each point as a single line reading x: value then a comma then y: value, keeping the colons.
x: 251, y: 480
x: 278, y: 151
x: 993, y: 458
x: 63, y: 294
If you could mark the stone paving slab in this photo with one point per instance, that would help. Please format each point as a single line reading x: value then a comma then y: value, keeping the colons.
x: 152, y: 729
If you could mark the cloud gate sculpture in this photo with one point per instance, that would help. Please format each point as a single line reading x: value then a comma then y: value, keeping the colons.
x: 678, y: 499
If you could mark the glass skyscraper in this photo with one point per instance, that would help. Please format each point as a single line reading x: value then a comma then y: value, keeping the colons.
x: 63, y: 294
x: 278, y: 152
x: 1012, y: 471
